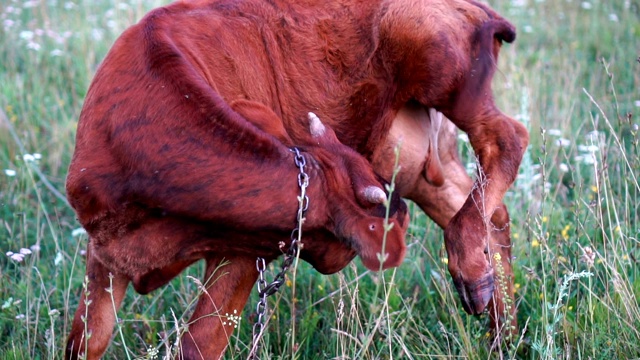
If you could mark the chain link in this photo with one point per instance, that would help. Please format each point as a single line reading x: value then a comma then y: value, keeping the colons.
x: 265, y: 290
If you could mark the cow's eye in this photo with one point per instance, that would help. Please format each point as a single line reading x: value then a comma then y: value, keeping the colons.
x: 372, y: 227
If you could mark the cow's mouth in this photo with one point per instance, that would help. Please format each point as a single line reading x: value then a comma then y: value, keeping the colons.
x: 475, y: 296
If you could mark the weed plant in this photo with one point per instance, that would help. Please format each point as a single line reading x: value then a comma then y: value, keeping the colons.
x: 572, y: 77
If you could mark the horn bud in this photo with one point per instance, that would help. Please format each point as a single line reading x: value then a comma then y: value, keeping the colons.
x: 374, y: 195
x: 316, y: 127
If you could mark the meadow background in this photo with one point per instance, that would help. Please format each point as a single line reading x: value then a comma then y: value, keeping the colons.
x: 572, y: 76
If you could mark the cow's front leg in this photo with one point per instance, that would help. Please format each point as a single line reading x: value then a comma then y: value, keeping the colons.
x: 499, y: 143
x: 228, y: 283
x: 95, y: 318
x: 502, y: 307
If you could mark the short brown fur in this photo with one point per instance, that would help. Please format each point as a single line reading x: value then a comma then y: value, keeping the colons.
x: 170, y: 167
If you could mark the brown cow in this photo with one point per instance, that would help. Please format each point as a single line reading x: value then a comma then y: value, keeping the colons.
x: 156, y: 134
x: 147, y: 242
x: 433, y: 176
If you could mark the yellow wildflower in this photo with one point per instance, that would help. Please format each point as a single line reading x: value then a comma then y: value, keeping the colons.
x: 535, y: 243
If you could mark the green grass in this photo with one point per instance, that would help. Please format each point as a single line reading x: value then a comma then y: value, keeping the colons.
x: 572, y: 77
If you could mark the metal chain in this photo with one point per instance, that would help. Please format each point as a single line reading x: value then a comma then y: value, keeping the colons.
x: 265, y: 290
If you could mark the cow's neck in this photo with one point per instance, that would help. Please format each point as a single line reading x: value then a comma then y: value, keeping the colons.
x: 327, y: 41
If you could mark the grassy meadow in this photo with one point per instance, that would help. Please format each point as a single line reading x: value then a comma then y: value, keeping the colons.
x: 572, y: 76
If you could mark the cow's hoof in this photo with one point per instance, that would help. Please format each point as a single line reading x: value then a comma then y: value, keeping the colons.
x: 475, y: 295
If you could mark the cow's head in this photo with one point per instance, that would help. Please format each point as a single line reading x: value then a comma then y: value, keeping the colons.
x: 357, y: 203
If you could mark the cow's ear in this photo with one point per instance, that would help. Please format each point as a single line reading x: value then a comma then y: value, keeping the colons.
x: 503, y: 30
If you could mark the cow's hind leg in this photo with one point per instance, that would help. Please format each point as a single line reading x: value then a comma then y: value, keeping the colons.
x: 228, y: 284
x: 95, y: 318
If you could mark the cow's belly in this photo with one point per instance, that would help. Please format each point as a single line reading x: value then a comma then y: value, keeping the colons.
x: 412, y: 133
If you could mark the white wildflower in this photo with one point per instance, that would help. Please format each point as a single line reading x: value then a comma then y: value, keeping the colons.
x: 29, y: 4
x: 26, y: 35
x: 69, y: 5
x: 77, y: 232
x: 33, y: 46
x: 594, y: 135
x: 554, y: 132
x: 20, y: 317
x: 25, y: 251
x: 28, y: 158
x: 56, y: 52
x: 463, y: 137
x: 7, y: 303
x: 613, y: 17
x: 588, y: 159
x: 636, y: 103
x: 8, y: 23
x: 588, y: 256
x: 37, y: 156
x: 528, y: 29
x: 58, y: 259
x: 97, y: 34
x: 9, y: 172
x: 586, y: 5
x: 17, y: 257
x: 562, y: 142
x: 588, y: 148
x: 563, y: 167
x: 35, y: 247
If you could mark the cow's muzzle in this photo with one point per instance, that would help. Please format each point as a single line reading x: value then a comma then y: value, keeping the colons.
x: 475, y: 295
